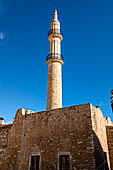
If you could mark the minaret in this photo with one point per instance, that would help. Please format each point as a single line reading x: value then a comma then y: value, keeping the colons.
x: 54, y: 61
x: 112, y: 99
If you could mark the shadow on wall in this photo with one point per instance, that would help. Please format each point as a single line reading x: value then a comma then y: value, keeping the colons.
x: 100, y: 155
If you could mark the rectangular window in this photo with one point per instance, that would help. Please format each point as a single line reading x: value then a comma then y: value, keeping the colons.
x: 35, y: 160
x: 64, y: 162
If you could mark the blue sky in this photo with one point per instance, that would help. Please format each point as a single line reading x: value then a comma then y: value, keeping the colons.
x: 87, y: 48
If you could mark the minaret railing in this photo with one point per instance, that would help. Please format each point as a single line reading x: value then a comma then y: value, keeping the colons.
x: 54, y: 56
x: 55, y: 31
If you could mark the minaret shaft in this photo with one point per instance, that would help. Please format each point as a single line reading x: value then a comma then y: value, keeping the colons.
x: 55, y: 47
x: 54, y: 62
x: 54, y: 93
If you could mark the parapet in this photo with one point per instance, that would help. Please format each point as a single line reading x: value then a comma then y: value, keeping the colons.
x: 24, y: 111
x: 108, y: 121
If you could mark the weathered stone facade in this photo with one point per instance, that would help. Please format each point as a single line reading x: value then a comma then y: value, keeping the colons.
x: 76, y: 130
x: 100, y: 137
x: 110, y: 143
x: 48, y: 133
x: 4, y: 132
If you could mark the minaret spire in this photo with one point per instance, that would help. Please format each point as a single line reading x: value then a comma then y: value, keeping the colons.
x: 54, y: 61
x: 55, y: 15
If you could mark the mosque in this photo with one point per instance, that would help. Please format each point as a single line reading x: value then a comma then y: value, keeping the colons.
x: 71, y: 138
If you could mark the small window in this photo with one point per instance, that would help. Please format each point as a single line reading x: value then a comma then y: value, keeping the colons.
x: 64, y: 162
x: 35, y: 161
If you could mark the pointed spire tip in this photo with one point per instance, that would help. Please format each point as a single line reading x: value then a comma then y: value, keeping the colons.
x: 55, y: 14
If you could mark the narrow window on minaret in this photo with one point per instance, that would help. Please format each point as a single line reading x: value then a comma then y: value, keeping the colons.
x: 35, y: 161
x: 50, y: 49
x: 54, y: 49
x: 64, y: 162
x: 57, y: 49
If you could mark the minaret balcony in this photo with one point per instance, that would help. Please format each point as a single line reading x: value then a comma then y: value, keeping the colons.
x: 55, y: 31
x: 55, y: 56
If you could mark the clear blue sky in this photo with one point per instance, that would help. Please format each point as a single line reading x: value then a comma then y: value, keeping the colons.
x: 87, y: 48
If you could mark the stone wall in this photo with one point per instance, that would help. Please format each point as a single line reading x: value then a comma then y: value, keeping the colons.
x: 100, y: 138
x: 110, y: 143
x: 4, y: 132
x: 48, y: 133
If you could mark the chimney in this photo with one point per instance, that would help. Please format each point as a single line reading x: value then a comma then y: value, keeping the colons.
x: 1, y: 121
x: 112, y: 99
